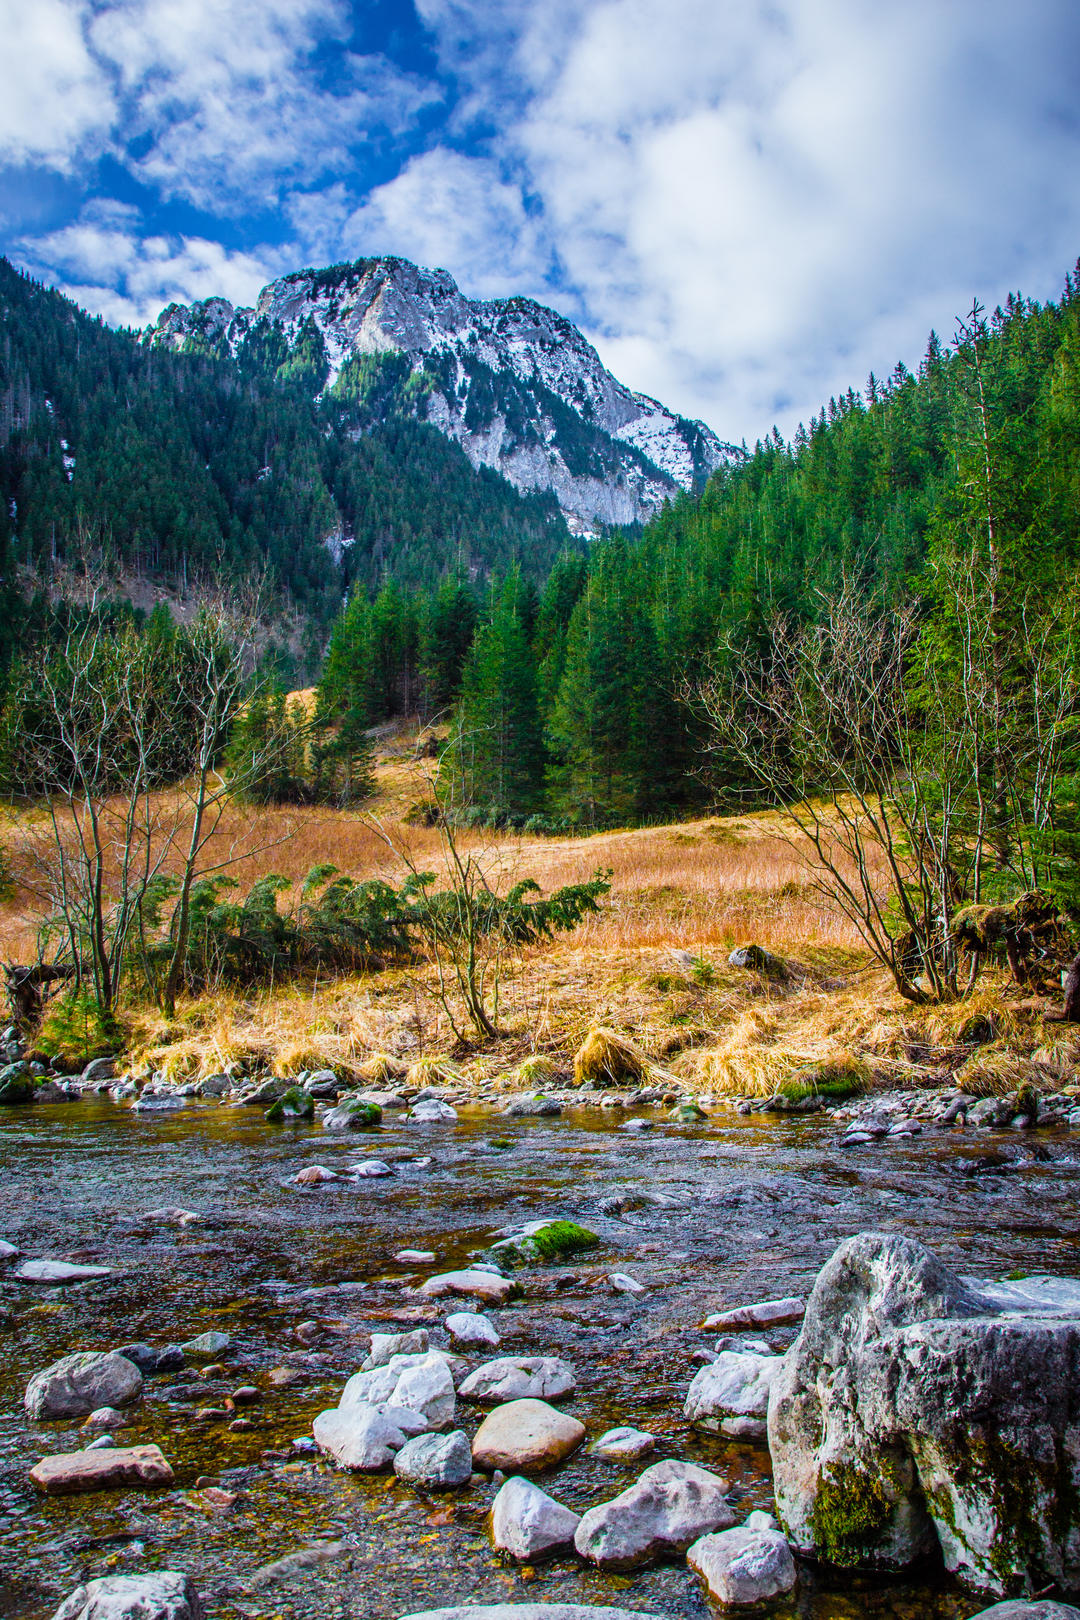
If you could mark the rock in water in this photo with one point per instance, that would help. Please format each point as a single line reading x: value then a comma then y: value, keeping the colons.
x: 624, y: 1444
x: 423, y: 1383
x: 1023, y: 1609
x: 525, y: 1437
x: 744, y: 1566
x: 72, y: 1471
x: 384, y: 1346
x: 60, y: 1271
x: 76, y: 1385
x: 918, y: 1406
x: 206, y: 1347
x: 528, y: 1524
x: 732, y: 1392
x: 470, y: 1328
x: 485, y: 1285
x: 513, y: 1378
x: 164, y: 1595
x: 357, y: 1436
x: 436, y: 1461
x: 672, y: 1505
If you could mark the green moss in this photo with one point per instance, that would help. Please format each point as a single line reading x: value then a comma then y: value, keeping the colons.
x: 687, y: 1113
x: 362, y: 1115
x: 851, y: 1510
x: 16, y: 1085
x: 295, y: 1104
x: 500, y: 1142
x: 555, y: 1240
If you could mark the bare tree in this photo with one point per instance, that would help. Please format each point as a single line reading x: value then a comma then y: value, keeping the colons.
x: 895, y: 759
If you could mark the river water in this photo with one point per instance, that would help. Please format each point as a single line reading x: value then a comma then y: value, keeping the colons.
x: 751, y: 1209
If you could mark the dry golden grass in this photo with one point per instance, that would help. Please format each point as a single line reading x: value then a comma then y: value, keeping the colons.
x: 651, y: 967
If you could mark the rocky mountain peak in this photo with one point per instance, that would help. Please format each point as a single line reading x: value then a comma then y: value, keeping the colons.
x: 515, y: 383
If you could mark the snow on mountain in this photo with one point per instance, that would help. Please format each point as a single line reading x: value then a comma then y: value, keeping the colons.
x: 515, y: 383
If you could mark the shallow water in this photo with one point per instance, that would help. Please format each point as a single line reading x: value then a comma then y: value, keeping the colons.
x: 756, y: 1206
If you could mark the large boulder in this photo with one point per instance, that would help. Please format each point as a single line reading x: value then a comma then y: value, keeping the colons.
x: 672, y: 1505
x: 163, y: 1595
x: 917, y: 1407
x: 77, y: 1385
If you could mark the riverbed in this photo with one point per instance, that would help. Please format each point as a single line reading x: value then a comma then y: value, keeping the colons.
x: 705, y: 1216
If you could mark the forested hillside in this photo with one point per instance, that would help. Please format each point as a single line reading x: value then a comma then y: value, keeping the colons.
x: 569, y: 696
x: 189, y: 465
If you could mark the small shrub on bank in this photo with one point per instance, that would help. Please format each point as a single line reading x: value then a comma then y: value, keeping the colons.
x: 76, y: 1029
x: 608, y: 1059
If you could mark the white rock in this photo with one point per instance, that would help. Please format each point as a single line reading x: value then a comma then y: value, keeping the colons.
x: 371, y: 1168
x: 735, y: 1385
x: 760, y: 1520
x: 163, y: 1595
x: 424, y: 1383
x: 672, y: 1505
x: 544, y: 1611
x: 625, y: 1444
x: 357, y: 1436
x: 384, y: 1346
x: 622, y: 1283
x: 744, y: 1566
x: 79, y: 1384
x: 8, y: 1251
x: 415, y: 1257
x: 518, y: 1378
x: 312, y: 1174
x: 764, y: 1313
x: 172, y: 1215
x: 432, y: 1110
x: 528, y: 1524
x: 485, y: 1285
x: 59, y: 1271
x: 471, y: 1328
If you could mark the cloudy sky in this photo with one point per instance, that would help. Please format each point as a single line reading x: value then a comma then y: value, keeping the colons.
x: 746, y: 205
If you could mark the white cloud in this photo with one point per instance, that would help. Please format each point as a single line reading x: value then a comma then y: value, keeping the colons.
x: 54, y: 97
x: 457, y: 213
x: 757, y: 203
x: 110, y: 268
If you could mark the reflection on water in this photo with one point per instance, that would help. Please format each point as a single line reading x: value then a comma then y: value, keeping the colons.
x: 751, y: 1208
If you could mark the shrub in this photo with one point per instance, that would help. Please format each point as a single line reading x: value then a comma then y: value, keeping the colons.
x: 77, y: 1028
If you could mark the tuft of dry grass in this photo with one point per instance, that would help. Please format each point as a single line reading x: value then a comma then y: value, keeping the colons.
x: 606, y: 1058
x: 995, y: 1071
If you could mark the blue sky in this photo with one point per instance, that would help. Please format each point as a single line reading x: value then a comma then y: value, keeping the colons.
x: 747, y: 206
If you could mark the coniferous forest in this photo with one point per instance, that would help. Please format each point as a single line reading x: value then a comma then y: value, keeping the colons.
x: 561, y: 670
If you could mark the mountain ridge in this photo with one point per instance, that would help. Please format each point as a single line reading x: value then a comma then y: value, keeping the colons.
x: 515, y: 383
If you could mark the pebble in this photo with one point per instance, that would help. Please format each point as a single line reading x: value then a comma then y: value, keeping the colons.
x: 59, y: 1271
x: 622, y: 1283
x: 414, y: 1257
x: 624, y: 1444
x: 206, y: 1346
x: 764, y: 1313
x: 371, y: 1169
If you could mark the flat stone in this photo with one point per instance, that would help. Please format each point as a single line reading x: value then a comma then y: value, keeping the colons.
x: 72, y: 1471
x: 8, y: 1251
x: 163, y: 1595
x: 744, y: 1566
x: 357, y: 1437
x: 470, y: 1328
x: 415, y: 1257
x: 106, y: 1417
x: 670, y: 1506
x: 371, y: 1169
x: 764, y: 1313
x: 206, y: 1346
x: 485, y: 1285
x: 437, y: 1461
x: 529, y: 1524
x: 526, y: 1436
x: 76, y: 1385
x: 513, y: 1378
x: 296, y: 1563
x: 622, y: 1283
x: 59, y: 1271
x: 624, y: 1444
x: 1029, y: 1609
